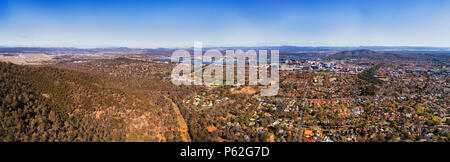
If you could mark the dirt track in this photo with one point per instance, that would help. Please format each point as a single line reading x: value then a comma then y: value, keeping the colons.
x: 183, y: 128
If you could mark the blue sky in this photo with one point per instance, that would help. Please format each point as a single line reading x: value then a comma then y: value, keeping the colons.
x: 168, y: 23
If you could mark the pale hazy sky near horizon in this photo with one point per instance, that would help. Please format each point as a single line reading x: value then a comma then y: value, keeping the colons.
x: 170, y: 23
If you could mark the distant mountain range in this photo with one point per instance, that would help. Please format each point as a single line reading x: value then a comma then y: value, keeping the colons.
x: 390, y: 55
x: 283, y: 49
x: 368, y: 54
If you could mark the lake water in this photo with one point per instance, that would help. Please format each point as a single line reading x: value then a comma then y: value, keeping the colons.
x: 259, y: 60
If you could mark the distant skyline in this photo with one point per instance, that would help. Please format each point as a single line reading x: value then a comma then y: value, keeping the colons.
x: 170, y: 23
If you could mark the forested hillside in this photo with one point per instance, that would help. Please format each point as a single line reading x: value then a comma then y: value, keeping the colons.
x: 56, y: 104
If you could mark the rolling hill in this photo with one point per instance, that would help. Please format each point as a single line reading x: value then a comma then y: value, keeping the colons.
x: 58, y: 104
